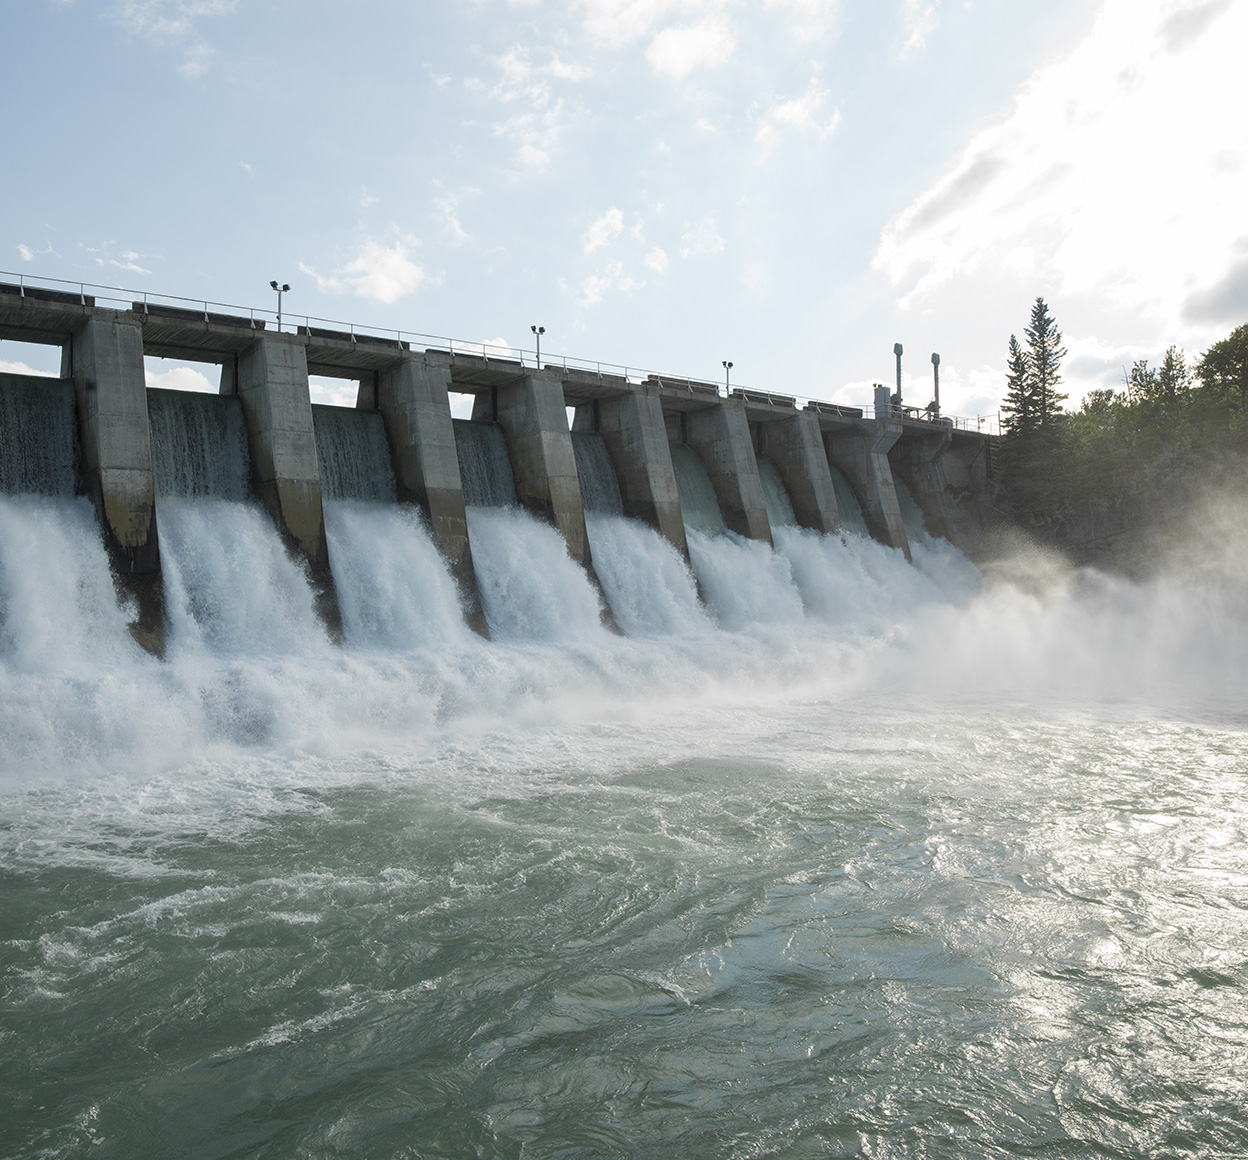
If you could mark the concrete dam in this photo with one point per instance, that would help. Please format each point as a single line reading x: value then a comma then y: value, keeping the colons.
x: 606, y: 512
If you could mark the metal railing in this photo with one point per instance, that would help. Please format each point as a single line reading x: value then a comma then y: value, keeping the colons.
x: 261, y: 318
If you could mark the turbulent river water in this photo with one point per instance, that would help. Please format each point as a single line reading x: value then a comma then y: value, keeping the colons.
x: 849, y: 857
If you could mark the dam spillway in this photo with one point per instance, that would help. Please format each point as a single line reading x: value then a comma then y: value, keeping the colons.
x: 669, y: 471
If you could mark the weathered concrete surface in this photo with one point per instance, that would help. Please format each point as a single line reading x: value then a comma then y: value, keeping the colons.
x: 411, y: 395
x: 918, y: 459
x: 104, y: 358
x: 633, y: 429
x: 966, y: 470
x: 795, y: 446
x: 271, y: 378
x: 862, y: 454
x: 543, y: 463
x: 720, y: 434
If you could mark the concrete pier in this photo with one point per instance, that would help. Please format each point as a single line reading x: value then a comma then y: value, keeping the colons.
x: 720, y: 434
x: 861, y: 452
x: 795, y: 446
x: 411, y: 395
x: 533, y: 417
x: 271, y: 378
x: 918, y: 459
x: 632, y: 427
x: 104, y: 358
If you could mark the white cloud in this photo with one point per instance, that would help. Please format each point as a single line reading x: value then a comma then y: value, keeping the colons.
x: 182, y: 379
x: 657, y: 260
x: 366, y: 199
x: 174, y: 24
x: 604, y: 231
x: 612, y: 278
x: 611, y: 23
x: 701, y: 238
x: 447, y: 206
x: 676, y: 52
x: 802, y: 114
x: 919, y: 18
x: 11, y: 367
x: 26, y: 253
x: 1108, y: 179
x: 811, y: 19
x: 383, y: 273
x: 126, y: 260
x: 755, y: 279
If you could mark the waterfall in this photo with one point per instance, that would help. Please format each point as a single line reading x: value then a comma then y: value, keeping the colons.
x: 484, y: 466
x: 199, y: 445
x: 847, y: 505
x: 353, y: 454
x: 648, y: 585
x: 698, y: 503
x: 394, y: 589
x: 911, y: 514
x: 531, y: 588
x: 38, y: 436
x: 231, y: 587
x: 600, y: 490
x: 779, y: 506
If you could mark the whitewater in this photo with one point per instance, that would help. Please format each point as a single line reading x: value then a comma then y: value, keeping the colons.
x: 823, y: 853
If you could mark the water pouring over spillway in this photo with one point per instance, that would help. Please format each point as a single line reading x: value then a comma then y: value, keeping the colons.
x: 839, y: 847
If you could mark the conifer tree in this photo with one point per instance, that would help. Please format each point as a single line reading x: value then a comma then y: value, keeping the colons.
x: 1019, y: 404
x: 1045, y: 353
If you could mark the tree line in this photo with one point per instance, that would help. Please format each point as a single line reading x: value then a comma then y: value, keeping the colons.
x: 1126, y: 458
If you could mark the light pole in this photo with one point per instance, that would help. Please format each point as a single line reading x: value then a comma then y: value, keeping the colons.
x: 936, y: 384
x: 727, y: 371
x: 897, y: 397
x: 280, y: 291
x: 538, y: 331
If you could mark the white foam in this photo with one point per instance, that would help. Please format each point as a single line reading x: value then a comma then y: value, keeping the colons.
x: 648, y: 585
x: 744, y: 581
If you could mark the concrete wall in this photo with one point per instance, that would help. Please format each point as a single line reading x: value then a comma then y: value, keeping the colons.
x: 918, y: 459
x: 634, y: 431
x: 795, y: 446
x: 411, y: 395
x: 534, y: 419
x: 720, y: 434
x: 861, y: 452
x: 271, y: 378
x: 104, y: 358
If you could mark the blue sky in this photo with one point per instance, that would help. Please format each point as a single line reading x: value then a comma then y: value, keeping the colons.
x: 794, y: 185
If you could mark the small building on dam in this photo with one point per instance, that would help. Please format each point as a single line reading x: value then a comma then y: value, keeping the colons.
x: 678, y: 455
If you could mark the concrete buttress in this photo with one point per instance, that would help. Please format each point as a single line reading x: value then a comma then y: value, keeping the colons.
x: 104, y: 357
x: 411, y: 395
x: 918, y: 458
x: 633, y: 429
x: 532, y: 416
x: 795, y: 446
x: 720, y: 434
x: 862, y: 454
x: 272, y: 382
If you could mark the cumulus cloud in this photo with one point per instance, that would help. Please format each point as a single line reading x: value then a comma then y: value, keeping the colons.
x: 802, y: 114
x: 182, y: 379
x: 604, y: 231
x: 380, y: 272
x: 809, y: 19
x: 174, y: 24
x: 676, y: 52
x: 918, y: 19
x: 16, y: 367
x: 537, y: 115
x: 26, y: 253
x: 612, y: 278
x: 1109, y: 177
x: 701, y: 238
x: 657, y: 260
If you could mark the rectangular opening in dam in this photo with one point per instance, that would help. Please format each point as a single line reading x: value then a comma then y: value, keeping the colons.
x: 461, y: 404
x: 29, y: 358
x: 333, y: 391
x: 175, y: 374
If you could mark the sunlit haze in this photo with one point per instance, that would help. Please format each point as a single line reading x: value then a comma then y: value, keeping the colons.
x: 794, y: 185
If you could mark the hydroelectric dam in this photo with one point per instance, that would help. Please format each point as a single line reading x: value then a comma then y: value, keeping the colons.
x: 679, y: 457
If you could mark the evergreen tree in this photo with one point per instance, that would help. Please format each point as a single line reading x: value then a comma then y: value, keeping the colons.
x: 1224, y: 367
x: 1019, y: 405
x: 1045, y: 354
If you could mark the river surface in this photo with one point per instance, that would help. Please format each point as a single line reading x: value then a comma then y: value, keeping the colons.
x: 960, y: 875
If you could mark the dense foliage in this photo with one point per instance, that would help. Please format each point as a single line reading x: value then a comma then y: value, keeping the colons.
x: 1126, y: 459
